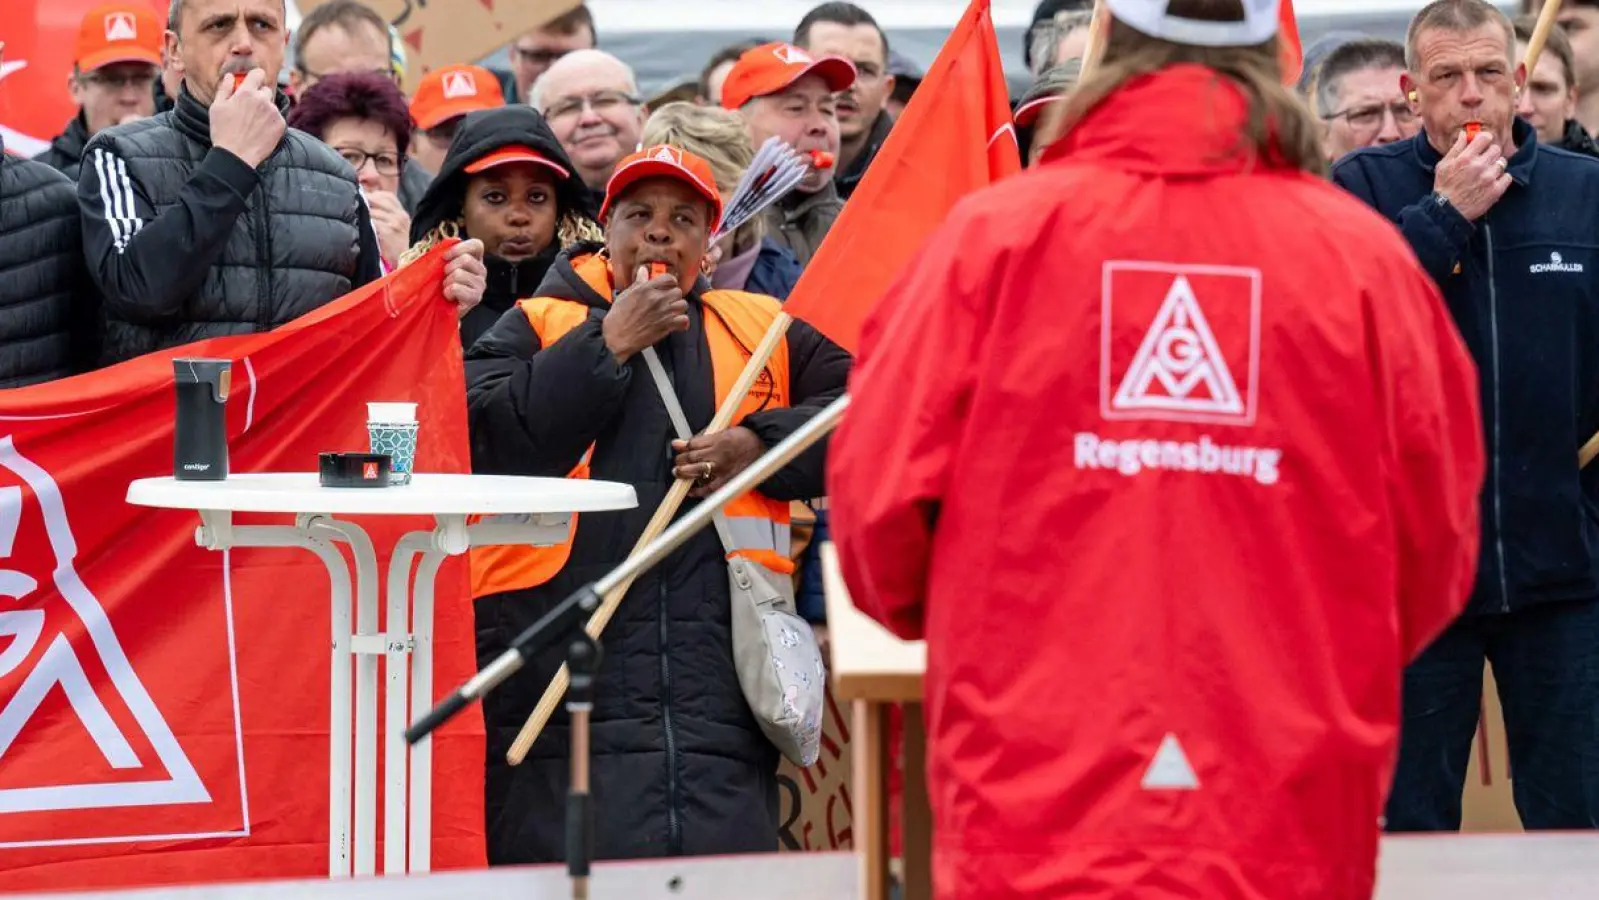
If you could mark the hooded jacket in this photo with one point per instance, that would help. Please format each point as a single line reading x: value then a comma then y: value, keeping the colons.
x: 1171, y: 452
x: 65, y: 153
x: 680, y: 766
x: 480, y: 134
x: 1519, y: 282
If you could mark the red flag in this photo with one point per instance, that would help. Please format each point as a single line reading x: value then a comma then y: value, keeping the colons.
x: 1291, y: 53
x: 164, y: 709
x: 955, y: 136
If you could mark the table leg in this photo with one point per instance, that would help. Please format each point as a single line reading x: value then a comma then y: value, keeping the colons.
x: 871, y: 797
x: 366, y: 689
x: 396, y: 670
x: 219, y: 533
x: 421, y: 857
x: 916, y: 827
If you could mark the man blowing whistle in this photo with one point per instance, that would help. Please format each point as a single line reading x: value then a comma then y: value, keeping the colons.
x: 1172, y: 493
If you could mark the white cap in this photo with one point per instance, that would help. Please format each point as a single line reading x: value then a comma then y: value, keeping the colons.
x: 1151, y: 17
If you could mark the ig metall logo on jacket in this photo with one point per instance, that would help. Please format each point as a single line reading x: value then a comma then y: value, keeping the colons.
x: 1179, y: 344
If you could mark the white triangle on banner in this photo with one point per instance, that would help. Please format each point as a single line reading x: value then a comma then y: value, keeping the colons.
x: 1170, y: 769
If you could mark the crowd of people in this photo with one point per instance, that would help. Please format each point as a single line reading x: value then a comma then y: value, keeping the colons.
x: 198, y: 194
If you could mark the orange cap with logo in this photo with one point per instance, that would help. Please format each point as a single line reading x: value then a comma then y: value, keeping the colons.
x: 450, y: 91
x: 118, y: 33
x: 772, y: 67
x: 664, y: 161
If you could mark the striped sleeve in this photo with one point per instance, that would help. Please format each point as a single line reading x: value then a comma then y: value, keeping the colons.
x: 148, y: 263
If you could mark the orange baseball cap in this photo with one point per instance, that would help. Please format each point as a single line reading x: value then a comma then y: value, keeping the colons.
x: 664, y: 161
x: 118, y: 33
x: 772, y: 67
x: 450, y: 91
x: 515, y: 153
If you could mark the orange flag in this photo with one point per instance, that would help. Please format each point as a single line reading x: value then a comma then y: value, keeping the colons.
x: 1292, y: 53
x: 954, y: 137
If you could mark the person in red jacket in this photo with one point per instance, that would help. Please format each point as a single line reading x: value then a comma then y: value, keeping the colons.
x: 1169, y: 450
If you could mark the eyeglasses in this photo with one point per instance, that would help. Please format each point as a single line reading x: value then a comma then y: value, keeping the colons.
x: 117, y: 82
x: 602, y: 103
x: 385, y: 163
x: 309, y: 76
x: 1369, y: 118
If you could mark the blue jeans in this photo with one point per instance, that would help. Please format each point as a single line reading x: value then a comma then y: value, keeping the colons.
x: 1546, y: 663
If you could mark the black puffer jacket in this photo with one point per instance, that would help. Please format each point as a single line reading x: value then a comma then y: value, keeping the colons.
x: 186, y: 242
x: 680, y: 766
x: 65, y: 154
x: 480, y: 134
x: 46, y: 319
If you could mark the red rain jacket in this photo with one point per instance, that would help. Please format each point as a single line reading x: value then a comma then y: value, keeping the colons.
x: 1172, y: 457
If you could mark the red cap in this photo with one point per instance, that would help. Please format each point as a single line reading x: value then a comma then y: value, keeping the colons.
x: 1028, y: 112
x: 664, y: 160
x: 117, y: 33
x: 450, y: 91
x: 515, y: 153
x: 770, y: 68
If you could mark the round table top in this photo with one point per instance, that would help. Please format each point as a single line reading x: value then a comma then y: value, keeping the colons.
x: 426, y: 495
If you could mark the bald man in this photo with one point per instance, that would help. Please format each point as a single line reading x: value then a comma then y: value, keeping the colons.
x: 591, y: 101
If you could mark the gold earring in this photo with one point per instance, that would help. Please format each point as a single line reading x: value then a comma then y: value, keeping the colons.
x: 1413, y: 96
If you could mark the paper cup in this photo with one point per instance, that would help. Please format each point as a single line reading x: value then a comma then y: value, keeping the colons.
x: 397, y: 441
x: 391, y: 413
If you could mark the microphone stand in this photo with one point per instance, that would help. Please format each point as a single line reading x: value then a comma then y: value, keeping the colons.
x: 583, y: 653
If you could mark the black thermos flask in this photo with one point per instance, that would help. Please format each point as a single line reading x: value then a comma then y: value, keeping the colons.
x: 201, y: 436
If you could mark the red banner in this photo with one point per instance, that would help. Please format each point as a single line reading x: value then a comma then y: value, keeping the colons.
x: 164, y: 708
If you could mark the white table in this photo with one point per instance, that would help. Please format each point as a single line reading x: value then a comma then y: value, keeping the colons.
x: 532, y: 511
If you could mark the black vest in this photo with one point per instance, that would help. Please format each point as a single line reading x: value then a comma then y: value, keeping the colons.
x: 42, y: 278
x: 295, y: 248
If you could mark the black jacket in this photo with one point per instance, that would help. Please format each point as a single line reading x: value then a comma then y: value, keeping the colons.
x: 1577, y: 139
x: 414, y: 181
x: 186, y: 242
x: 1520, y: 283
x: 480, y: 134
x: 65, y: 153
x: 850, y: 178
x: 46, y: 314
x: 680, y: 766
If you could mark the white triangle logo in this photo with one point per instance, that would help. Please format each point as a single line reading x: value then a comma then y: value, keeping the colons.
x: 60, y: 665
x: 1170, y: 770
x: 1179, y: 367
x: 793, y: 55
x: 665, y: 154
x: 458, y: 85
x: 120, y: 27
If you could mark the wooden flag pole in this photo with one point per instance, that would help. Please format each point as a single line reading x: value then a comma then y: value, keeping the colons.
x: 663, y: 517
x: 1540, y: 35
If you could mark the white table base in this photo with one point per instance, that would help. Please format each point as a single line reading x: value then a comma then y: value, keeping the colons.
x: 408, y: 771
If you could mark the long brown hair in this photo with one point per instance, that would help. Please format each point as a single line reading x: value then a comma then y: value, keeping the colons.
x: 1279, y: 125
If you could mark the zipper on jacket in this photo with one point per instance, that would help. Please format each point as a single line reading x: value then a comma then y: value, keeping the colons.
x: 263, y: 250
x: 1493, y: 343
x: 674, y: 828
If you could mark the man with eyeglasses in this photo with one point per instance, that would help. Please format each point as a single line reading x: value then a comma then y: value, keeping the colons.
x: 533, y: 53
x: 590, y: 98
x: 844, y: 29
x: 1357, y: 97
x: 338, y: 37
x: 113, y: 78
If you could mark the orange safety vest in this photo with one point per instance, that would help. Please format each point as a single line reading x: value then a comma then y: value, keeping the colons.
x: 759, y: 525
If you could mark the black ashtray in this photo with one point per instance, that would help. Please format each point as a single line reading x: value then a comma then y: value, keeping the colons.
x: 354, y: 470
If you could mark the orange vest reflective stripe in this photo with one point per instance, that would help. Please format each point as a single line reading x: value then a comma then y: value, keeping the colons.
x: 735, y: 322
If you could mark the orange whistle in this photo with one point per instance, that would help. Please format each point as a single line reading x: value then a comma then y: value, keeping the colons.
x: 657, y: 269
x: 821, y: 159
x: 234, y: 80
x: 1472, y: 130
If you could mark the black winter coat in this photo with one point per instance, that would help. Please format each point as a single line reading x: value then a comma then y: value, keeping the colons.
x: 46, y: 314
x: 186, y: 242
x: 65, y: 153
x: 1520, y: 284
x: 680, y: 766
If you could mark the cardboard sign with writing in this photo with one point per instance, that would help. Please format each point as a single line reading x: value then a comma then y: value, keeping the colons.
x: 816, y: 810
x: 443, y: 32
